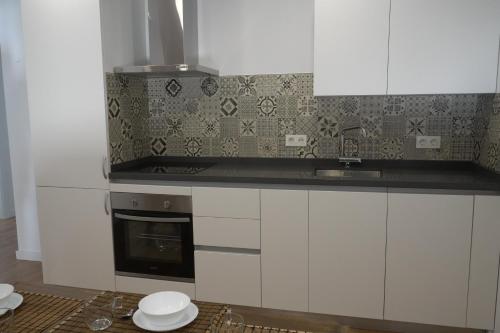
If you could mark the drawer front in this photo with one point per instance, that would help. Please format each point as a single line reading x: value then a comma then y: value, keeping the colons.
x: 149, y: 286
x: 241, y: 203
x: 224, y: 277
x: 227, y: 232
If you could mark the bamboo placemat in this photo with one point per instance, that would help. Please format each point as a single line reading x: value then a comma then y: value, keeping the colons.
x: 38, y: 312
x: 259, y: 329
x: 75, y: 324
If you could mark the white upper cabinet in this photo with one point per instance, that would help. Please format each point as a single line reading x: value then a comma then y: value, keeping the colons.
x: 350, y: 47
x: 428, y: 252
x: 256, y: 36
x: 347, y: 238
x: 65, y: 84
x: 443, y: 46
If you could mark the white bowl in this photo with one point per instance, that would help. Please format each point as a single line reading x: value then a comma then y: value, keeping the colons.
x: 164, y: 307
x: 5, y: 291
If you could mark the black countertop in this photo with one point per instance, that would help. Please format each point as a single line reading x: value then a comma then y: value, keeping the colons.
x: 450, y: 175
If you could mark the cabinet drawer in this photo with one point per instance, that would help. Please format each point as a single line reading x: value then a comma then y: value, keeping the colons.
x: 149, y: 286
x: 227, y: 232
x: 224, y: 277
x: 226, y: 202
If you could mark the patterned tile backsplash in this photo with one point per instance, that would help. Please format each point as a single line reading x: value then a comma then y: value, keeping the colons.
x: 489, y: 122
x: 128, y: 114
x: 249, y: 116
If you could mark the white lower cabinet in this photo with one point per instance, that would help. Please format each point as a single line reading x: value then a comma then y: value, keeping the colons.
x: 76, y: 238
x: 428, y: 256
x: 347, y: 239
x: 228, y: 277
x: 284, y: 223
x: 436, y: 256
x: 485, y: 255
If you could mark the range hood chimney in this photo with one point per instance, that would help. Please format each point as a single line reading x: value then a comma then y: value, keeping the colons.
x: 171, y: 41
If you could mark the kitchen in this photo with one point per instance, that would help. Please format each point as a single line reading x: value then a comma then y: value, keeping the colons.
x: 331, y: 158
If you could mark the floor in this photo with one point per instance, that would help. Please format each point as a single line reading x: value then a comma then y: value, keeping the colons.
x: 27, y: 275
x: 15, y: 270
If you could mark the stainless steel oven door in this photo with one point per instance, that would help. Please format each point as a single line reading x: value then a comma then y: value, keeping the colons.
x: 154, y: 244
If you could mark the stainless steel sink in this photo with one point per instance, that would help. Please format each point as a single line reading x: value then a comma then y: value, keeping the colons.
x: 344, y: 173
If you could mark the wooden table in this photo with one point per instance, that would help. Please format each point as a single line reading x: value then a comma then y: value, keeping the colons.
x: 49, y: 313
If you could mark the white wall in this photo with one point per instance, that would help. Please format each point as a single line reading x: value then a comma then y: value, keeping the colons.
x: 14, y: 80
x: 256, y: 36
x: 6, y: 192
x: 123, y: 33
x: 498, y: 68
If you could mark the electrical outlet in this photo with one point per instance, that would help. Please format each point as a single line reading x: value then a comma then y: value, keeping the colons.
x: 295, y: 140
x: 428, y: 142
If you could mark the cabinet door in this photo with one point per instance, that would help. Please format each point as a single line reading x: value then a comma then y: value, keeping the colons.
x: 485, y: 257
x: 347, y: 238
x: 65, y: 82
x: 238, y: 203
x: 284, y: 249
x: 443, y: 46
x: 228, y: 277
x: 428, y: 252
x: 76, y: 238
x: 350, y: 47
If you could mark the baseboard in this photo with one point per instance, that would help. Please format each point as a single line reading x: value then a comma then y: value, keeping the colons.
x: 28, y: 255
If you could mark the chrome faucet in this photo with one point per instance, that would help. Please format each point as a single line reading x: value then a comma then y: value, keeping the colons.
x: 342, y: 158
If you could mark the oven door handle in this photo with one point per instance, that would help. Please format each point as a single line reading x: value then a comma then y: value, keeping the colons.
x: 153, y: 219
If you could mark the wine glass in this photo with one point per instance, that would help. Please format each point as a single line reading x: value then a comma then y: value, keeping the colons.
x: 98, y: 317
x: 229, y: 322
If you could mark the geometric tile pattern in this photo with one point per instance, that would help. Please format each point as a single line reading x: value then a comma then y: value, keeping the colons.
x: 249, y: 116
x: 486, y: 147
x: 128, y: 119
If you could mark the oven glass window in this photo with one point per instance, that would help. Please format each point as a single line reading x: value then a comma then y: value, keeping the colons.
x: 154, y: 242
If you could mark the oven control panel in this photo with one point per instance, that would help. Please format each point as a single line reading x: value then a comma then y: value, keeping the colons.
x: 151, y: 202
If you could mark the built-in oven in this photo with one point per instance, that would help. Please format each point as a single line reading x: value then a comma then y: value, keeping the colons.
x: 153, y: 236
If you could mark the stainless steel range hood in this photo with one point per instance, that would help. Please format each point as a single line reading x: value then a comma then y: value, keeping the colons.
x: 171, y: 41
